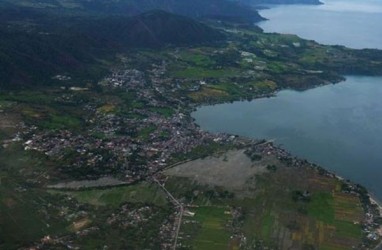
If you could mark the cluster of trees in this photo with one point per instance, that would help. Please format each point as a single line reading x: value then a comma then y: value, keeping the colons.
x: 36, y: 46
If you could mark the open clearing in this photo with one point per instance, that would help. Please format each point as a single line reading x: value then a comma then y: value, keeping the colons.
x: 231, y: 170
x: 115, y: 196
x: 211, y: 232
x: 101, y: 182
x: 276, y: 213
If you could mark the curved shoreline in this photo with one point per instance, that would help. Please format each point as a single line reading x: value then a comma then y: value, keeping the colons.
x: 367, y: 209
x: 366, y: 199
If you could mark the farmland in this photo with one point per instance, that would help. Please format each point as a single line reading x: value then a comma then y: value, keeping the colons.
x: 284, y: 207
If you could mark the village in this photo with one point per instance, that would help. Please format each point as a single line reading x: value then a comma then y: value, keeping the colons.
x: 145, y: 146
x: 133, y: 138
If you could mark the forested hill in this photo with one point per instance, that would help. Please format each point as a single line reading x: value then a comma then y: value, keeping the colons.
x: 34, y: 47
x: 193, y: 8
x: 151, y: 29
x: 264, y: 2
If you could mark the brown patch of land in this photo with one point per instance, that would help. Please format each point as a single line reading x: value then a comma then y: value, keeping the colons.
x: 8, y: 123
x: 231, y: 170
x: 9, y: 202
x: 80, y: 224
x: 101, y: 182
x: 285, y: 207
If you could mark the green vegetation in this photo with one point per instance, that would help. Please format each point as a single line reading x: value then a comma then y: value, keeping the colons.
x: 29, y: 212
x: 321, y: 207
x: 210, y: 231
x: 114, y: 197
x: 200, y: 73
x: 30, y: 97
x: 61, y: 122
x: 124, y: 232
x: 277, y: 207
x: 144, y: 133
x: 202, y: 151
x: 195, y: 58
x: 166, y: 112
x: 23, y: 207
x: 274, y: 213
x: 267, y: 226
x: 22, y: 216
x: 198, y: 194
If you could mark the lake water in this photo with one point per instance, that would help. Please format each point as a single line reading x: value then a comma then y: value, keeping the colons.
x: 337, y: 126
x: 353, y: 23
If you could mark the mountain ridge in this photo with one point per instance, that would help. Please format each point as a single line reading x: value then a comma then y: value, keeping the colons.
x: 154, y: 28
x: 194, y: 9
x: 34, y: 52
x: 265, y: 2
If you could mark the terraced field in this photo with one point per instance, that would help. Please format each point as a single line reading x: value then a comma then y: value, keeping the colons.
x: 282, y: 208
x: 208, y: 228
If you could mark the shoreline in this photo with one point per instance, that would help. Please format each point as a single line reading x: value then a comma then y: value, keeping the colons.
x: 369, y: 212
x: 375, y: 201
x: 367, y: 209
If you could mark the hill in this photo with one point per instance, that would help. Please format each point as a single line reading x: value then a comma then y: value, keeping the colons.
x: 151, y: 29
x: 220, y: 9
x: 32, y: 58
x: 265, y: 2
x: 34, y: 51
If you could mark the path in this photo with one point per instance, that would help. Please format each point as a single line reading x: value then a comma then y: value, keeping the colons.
x: 181, y: 211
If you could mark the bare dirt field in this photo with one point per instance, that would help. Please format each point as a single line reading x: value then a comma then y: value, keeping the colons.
x: 231, y: 170
x: 8, y: 123
x: 328, y: 218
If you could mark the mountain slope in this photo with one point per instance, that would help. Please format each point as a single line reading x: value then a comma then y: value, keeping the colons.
x: 29, y: 58
x: 195, y: 8
x: 33, y: 52
x: 264, y: 2
x: 152, y: 29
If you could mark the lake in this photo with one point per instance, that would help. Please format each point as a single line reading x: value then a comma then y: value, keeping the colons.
x: 336, y: 126
x: 353, y: 23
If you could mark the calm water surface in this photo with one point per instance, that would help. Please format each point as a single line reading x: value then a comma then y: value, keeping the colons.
x: 337, y: 126
x: 353, y: 23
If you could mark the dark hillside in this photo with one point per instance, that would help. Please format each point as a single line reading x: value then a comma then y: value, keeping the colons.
x: 33, y: 52
x: 264, y: 2
x: 30, y: 58
x: 192, y: 8
x: 152, y: 29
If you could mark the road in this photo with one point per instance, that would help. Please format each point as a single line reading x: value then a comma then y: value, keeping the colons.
x: 181, y: 211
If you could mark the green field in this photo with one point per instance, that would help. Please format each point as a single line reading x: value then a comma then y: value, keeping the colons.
x: 166, y: 112
x: 208, y: 228
x: 145, y: 132
x: 24, y: 210
x: 114, y: 197
x: 322, y: 207
x: 275, y: 214
x: 199, y: 60
x: 200, y: 73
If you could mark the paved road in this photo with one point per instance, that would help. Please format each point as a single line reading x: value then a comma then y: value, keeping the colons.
x: 181, y: 210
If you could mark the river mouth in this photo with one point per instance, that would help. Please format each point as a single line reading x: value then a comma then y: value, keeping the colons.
x: 337, y: 126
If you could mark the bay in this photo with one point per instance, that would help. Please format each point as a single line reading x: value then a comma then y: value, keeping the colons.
x: 336, y: 126
x: 352, y: 23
